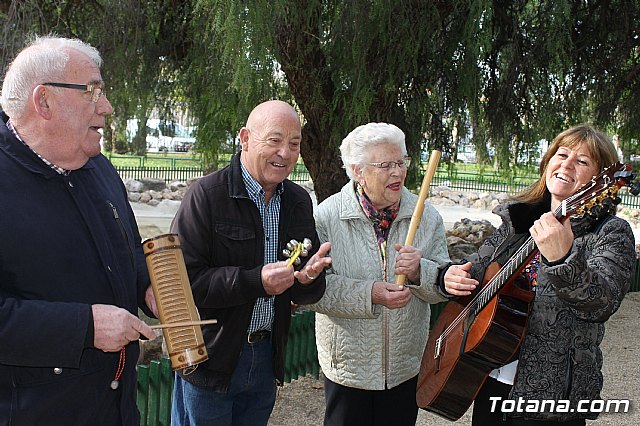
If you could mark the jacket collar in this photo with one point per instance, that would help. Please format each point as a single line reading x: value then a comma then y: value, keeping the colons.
x: 350, y: 207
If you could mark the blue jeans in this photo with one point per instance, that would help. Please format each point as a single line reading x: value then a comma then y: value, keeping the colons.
x: 249, y: 400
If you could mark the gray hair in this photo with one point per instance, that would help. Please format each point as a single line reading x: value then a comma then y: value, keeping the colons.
x: 44, y: 59
x: 356, y: 146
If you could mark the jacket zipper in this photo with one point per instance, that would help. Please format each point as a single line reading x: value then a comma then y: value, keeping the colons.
x: 385, y: 324
x: 116, y: 216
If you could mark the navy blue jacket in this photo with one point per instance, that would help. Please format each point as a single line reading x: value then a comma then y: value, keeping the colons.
x: 222, y: 240
x: 66, y: 242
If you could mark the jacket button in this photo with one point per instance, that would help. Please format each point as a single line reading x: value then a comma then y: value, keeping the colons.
x: 70, y: 184
x: 57, y: 370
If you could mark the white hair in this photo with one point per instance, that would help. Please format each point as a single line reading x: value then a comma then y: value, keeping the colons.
x: 361, y: 140
x: 43, y: 60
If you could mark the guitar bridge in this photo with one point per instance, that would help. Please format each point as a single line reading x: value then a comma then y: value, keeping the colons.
x: 436, y: 354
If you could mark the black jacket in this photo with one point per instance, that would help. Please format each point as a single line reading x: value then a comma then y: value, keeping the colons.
x: 560, y: 357
x: 223, y: 245
x: 67, y: 242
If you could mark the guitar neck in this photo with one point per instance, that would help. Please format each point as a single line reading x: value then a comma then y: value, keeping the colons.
x: 514, y: 265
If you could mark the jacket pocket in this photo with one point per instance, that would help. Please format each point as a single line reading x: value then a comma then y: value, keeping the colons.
x: 234, y: 231
x: 568, y: 381
x: 36, y: 376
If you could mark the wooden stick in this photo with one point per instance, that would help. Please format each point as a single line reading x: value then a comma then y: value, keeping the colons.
x: 419, y: 209
x: 183, y: 324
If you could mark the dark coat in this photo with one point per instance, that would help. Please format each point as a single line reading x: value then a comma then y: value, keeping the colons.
x: 223, y: 245
x: 67, y: 242
x: 560, y: 357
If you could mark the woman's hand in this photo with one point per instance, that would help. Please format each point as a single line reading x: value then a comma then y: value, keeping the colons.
x: 458, y: 281
x: 392, y: 296
x: 408, y: 262
x: 553, y: 238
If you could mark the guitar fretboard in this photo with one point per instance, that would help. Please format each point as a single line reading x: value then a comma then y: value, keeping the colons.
x: 516, y: 262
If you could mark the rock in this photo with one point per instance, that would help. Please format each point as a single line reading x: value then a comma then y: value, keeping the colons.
x: 133, y: 185
x: 152, y: 184
x: 134, y: 197
x: 156, y: 195
x: 466, y: 236
x: 144, y: 197
x: 177, y: 185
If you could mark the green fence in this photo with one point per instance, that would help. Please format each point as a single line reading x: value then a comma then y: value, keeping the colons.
x: 155, y: 386
x: 183, y: 173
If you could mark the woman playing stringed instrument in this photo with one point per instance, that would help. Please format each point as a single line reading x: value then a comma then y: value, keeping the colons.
x: 580, y: 276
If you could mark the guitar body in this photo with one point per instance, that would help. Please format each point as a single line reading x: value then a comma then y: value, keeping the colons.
x: 448, y: 383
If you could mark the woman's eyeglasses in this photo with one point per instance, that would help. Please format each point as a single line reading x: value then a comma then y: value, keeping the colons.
x: 390, y: 165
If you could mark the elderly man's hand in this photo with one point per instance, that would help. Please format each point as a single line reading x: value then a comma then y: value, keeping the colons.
x: 276, y: 277
x: 114, y: 327
x: 315, y: 265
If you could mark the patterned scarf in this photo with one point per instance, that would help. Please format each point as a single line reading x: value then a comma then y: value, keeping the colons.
x: 381, y: 219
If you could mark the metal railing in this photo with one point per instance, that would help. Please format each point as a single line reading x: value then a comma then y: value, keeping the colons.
x: 460, y: 181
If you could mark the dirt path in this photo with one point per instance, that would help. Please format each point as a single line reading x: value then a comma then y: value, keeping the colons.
x: 302, y: 401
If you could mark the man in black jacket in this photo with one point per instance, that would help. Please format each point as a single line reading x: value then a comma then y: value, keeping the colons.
x: 234, y: 225
x: 72, y: 270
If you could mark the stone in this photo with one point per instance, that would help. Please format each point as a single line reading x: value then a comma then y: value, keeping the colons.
x: 177, y: 185
x: 134, y: 197
x: 133, y: 185
x: 144, y: 197
x: 152, y: 184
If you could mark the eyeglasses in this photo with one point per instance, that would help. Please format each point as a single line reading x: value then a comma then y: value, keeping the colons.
x: 390, y: 165
x: 96, y: 91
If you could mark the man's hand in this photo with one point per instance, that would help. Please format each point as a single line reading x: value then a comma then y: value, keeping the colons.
x: 114, y: 327
x: 390, y: 295
x: 150, y: 299
x: 315, y: 265
x: 276, y: 277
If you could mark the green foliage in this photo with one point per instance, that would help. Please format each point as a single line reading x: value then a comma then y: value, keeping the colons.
x: 506, y: 73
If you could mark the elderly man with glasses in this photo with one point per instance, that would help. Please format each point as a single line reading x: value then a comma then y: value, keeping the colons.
x: 72, y: 271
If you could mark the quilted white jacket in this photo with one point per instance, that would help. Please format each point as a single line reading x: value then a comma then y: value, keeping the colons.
x: 362, y: 345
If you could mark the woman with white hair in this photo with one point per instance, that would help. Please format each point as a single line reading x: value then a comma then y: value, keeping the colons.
x: 370, y: 332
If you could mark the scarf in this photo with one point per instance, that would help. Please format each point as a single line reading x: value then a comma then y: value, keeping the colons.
x: 381, y: 219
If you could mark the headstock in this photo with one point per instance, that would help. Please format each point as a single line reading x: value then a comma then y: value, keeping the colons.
x: 600, y: 195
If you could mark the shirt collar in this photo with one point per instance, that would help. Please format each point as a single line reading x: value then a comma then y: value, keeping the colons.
x: 58, y: 169
x: 254, y: 188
